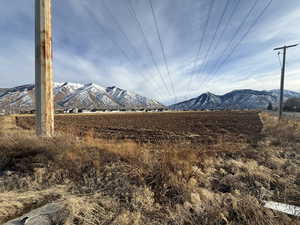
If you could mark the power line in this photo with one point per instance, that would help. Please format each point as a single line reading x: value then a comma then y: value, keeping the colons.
x: 134, y: 15
x: 214, y: 37
x: 218, y: 65
x: 116, y: 44
x: 245, y: 34
x: 125, y: 35
x: 107, y: 9
x: 201, y: 43
x: 108, y: 37
x: 234, y: 9
x: 162, y: 48
x: 237, y: 31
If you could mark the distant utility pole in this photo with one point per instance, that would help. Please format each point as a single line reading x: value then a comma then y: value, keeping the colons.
x: 282, y: 77
x: 43, y: 69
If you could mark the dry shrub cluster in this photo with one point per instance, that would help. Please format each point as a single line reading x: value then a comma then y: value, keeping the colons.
x: 119, y: 183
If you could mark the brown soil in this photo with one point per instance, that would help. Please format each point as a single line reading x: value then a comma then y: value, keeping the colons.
x: 187, y: 127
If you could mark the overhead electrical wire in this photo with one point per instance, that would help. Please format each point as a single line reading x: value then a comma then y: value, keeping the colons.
x: 162, y: 49
x: 245, y: 34
x: 234, y: 9
x: 205, y: 61
x: 213, y: 44
x: 134, y: 15
x: 236, y: 33
x: 209, y: 77
x: 107, y: 9
x: 253, y: 25
x: 200, y: 44
x: 116, y: 44
x: 108, y: 37
x: 121, y: 30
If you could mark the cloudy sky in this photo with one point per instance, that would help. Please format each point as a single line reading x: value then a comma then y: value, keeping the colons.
x: 208, y: 45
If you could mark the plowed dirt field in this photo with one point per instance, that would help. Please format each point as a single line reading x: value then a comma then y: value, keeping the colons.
x: 183, y: 127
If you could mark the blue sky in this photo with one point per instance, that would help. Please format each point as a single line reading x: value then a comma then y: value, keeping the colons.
x: 100, y: 41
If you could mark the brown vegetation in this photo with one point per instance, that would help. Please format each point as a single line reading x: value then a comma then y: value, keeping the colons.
x: 126, y: 182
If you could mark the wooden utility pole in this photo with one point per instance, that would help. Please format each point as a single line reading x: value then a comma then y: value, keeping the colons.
x: 43, y: 69
x: 282, y: 77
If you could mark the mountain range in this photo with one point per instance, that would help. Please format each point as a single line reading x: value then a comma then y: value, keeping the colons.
x: 73, y: 95
x: 238, y: 99
x: 92, y: 96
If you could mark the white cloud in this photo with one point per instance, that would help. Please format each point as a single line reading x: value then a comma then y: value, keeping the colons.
x: 83, y: 53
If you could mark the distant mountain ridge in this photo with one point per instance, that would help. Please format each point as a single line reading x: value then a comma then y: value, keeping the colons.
x: 237, y: 99
x: 74, y: 95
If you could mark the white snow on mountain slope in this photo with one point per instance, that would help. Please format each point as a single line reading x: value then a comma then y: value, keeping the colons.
x: 238, y: 99
x: 128, y: 98
x: 75, y: 95
x: 89, y: 96
x: 287, y: 93
x: 63, y: 87
x: 61, y: 90
x: 17, y: 98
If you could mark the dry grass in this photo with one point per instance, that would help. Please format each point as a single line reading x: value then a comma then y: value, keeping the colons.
x: 118, y: 183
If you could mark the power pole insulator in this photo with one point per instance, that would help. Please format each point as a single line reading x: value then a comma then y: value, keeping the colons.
x: 43, y: 69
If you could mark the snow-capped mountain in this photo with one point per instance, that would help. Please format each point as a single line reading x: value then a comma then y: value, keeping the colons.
x: 130, y: 99
x: 89, y: 96
x: 287, y: 93
x: 72, y: 95
x: 17, y: 97
x: 238, y: 99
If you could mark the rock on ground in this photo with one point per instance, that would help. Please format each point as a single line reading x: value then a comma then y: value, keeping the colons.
x: 50, y: 214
